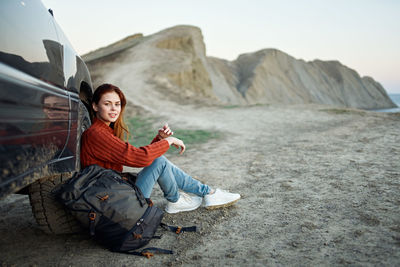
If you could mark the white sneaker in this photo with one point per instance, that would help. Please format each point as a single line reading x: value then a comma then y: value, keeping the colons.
x: 219, y: 199
x: 184, y: 203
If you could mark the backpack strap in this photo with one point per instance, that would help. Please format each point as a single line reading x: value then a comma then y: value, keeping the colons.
x: 139, y: 195
x: 178, y: 229
x: 148, y: 252
x: 130, y: 178
x: 92, y: 220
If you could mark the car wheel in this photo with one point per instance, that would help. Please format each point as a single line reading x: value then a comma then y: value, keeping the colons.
x: 83, y: 124
x: 50, y: 215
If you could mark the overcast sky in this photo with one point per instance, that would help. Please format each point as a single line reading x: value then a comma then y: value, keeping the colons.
x: 362, y: 34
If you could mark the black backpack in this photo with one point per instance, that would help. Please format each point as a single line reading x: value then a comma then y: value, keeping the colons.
x: 114, y: 210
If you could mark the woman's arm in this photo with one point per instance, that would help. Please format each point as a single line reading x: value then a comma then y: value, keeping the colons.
x: 107, y: 147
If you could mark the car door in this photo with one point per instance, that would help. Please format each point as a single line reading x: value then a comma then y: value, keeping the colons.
x: 34, y: 107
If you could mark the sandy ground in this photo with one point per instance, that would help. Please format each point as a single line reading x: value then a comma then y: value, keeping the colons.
x: 319, y: 187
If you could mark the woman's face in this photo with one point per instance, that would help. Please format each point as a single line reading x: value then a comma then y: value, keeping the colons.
x: 108, y: 108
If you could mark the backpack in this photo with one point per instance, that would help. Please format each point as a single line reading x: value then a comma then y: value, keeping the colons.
x: 114, y: 210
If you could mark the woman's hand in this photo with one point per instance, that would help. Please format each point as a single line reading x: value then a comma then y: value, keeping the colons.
x: 164, y: 132
x: 176, y: 143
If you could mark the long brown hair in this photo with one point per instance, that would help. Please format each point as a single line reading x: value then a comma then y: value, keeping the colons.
x: 120, y: 128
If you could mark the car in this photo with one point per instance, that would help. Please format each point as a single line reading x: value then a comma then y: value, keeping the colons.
x: 45, y: 93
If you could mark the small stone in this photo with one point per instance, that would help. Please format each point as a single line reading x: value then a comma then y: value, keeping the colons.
x: 229, y: 255
x: 197, y: 257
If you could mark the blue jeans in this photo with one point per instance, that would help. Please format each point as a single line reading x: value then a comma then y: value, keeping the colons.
x: 170, y: 178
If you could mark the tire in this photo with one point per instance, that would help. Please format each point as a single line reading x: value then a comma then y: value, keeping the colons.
x: 83, y: 124
x: 50, y: 215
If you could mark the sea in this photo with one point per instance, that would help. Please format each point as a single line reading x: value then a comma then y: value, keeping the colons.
x: 396, y: 99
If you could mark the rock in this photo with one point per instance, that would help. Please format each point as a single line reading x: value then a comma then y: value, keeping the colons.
x: 173, y: 64
x: 271, y: 76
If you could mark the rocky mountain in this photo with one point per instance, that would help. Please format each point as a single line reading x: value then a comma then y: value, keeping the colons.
x: 172, y: 64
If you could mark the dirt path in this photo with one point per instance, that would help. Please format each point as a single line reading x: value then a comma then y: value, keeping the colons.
x: 319, y: 186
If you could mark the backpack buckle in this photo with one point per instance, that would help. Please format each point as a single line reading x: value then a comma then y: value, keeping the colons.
x: 147, y: 254
x: 137, y: 236
x: 92, y: 216
x: 103, y: 198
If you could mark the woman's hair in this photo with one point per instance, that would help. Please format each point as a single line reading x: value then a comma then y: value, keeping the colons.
x: 120, y: 128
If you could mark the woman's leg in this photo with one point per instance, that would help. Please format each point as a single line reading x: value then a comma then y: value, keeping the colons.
x: 170, y: 178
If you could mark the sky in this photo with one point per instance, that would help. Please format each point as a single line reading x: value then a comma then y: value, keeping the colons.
x: 362, y: 34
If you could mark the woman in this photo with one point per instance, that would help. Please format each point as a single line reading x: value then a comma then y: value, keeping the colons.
x: 104, y: 144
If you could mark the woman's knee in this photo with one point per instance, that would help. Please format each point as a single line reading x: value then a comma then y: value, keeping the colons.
x: 160, y: 161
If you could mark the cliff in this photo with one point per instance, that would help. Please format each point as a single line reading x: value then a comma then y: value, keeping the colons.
x: 173, y: 64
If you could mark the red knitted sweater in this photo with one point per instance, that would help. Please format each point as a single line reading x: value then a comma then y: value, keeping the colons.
x: 100, y: 146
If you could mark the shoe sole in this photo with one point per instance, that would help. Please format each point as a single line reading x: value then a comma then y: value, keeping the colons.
x: 177, y: 211
x: 222, y: 205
